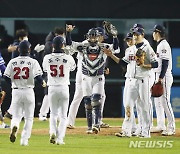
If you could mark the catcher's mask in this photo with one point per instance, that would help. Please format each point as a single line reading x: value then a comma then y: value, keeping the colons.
x: 92, y: 36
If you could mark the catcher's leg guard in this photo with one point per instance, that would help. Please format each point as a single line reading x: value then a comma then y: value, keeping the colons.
x: 88, y: 110
x: 96, y: 105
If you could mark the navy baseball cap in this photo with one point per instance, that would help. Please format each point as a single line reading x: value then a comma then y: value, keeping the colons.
x: 102, y: 32
x: 128, y: 36
x: 58, y: 42
x: 158, y: 28
x: 24, y: 45
x: 137, y: 26
x: 138, y: 31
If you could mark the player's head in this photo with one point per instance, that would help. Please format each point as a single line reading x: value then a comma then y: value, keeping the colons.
x: 129, y: 39
x: 24, y: 47
x: 158, y: 32
x: 93, y: 36
x: 138, y: 35
x: 58, y: 43
x: 59, y: 31
x: 102, y: 33
x: 137, y: 26
x: 22, y: 34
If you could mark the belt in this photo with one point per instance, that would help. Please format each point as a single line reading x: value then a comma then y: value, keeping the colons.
x: 21, y: 88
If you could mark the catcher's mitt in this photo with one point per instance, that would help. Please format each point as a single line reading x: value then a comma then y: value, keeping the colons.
x: 2, y: 96
x: 110, y: 28
x: 140, y: 57
x: 157, y: 90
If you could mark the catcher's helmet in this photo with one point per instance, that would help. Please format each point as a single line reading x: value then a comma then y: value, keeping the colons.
x: 24, y: 46
x: 92, y: 36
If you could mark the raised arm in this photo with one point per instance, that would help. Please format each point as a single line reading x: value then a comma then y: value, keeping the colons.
x: 109, y: 53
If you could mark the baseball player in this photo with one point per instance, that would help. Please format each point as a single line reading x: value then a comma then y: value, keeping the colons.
x: 139, y: 82
x: 58, y: 66
x: 58, y: 31
x: 130, y: 42
x: 152, y: 78
x: 2, y: 93
x: 21, y: 71
x: 21, y: 35
x: 78, y: 96
x: 164, y: 75
x: 92, y: 76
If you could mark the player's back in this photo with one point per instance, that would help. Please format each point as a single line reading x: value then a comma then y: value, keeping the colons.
x: 58, y: 67
x: 22, y: 70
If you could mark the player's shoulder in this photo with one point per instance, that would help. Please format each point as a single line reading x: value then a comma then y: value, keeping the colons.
x: 47, y: 56
x: 131, y: 48
x: 68, y: 56
x: 164, y: 43
x: 146, y: 41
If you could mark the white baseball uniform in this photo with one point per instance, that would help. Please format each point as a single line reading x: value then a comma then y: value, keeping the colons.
x: 58, y: 67
x: 139, y: 87
x: 22, y: 71
x: 162, y: 104
x: 78, y: 96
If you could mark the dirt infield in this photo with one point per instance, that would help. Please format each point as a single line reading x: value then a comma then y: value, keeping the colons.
x: 104, y: 131
x: 81, y: 130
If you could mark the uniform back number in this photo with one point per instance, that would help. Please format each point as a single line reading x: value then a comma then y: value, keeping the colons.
x: 54, y: 70
x: 19, y: 70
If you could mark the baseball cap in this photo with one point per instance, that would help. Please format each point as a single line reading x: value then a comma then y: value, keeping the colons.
x: 102, y: 32
x: 128, y: 36
x: 58, y: 42
x: 137, y: 25
x: 158, y: 28
x: 24, y: 45
x: 138, y: 31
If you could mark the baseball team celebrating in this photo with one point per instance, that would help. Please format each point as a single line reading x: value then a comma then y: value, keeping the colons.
x: 144, y: 67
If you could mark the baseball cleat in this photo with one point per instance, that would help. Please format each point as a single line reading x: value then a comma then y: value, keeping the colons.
x: 52, y: 139
x: 95, y: 129
x: 104, y: 125
x: 60, y: 142
x: 13, y: 134
x: 89, y: 131
x: 122, y: 134
x: 8, y: 115
x: 70, y: 127
x: 3, y: 125
x: 156, y: 130
x: 24, y: 142
x: 42, y: 118
x: 167, y: 133
x: 143, y: 136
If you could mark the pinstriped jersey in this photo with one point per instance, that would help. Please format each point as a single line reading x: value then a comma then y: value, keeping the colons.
x: 22, y: 70
x: 130, y: 59
x: 164, y: 52
x: 150, y: 57
x: 58, y: 66
x: 134, y: 70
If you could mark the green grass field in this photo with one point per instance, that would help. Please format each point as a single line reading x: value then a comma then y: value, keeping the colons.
x: 77, y: 142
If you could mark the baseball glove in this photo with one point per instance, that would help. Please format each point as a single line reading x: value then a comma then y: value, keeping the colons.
x: 157, y: 90
x: 2, y: 96
x: 140, y: 57
x: 110, y: 28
